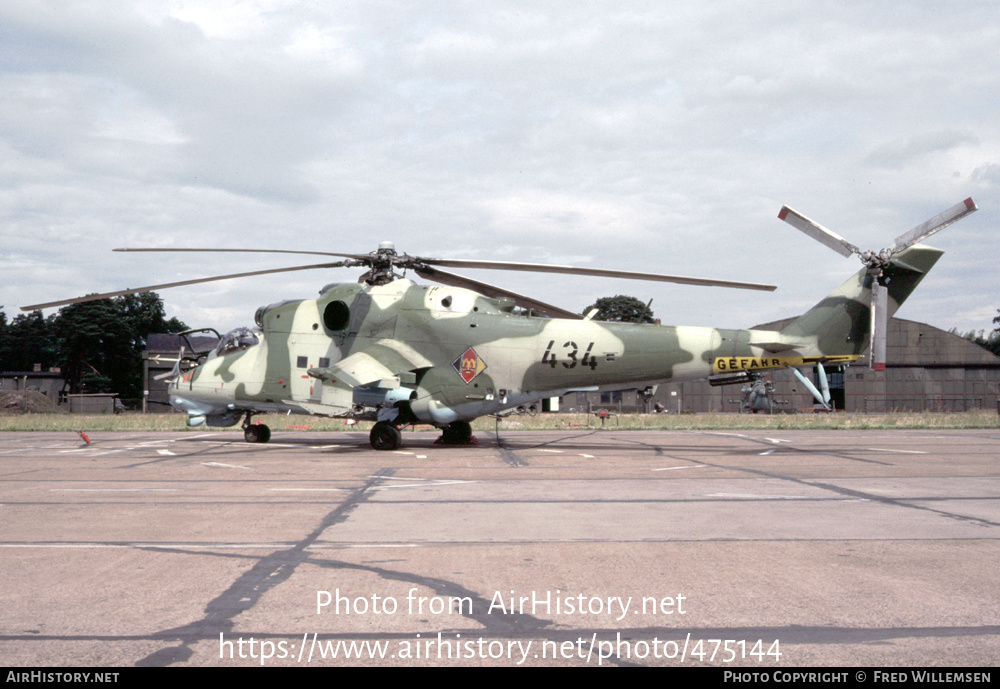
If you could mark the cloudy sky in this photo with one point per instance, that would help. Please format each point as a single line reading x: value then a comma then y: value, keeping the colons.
x: 651, y: 136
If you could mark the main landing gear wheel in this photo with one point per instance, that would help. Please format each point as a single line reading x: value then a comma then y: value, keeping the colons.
x: 257, y: 433
x: 385, y: 436
x: 457, y: 433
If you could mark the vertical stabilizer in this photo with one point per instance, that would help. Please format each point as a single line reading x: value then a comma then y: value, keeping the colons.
x: 840, y: 324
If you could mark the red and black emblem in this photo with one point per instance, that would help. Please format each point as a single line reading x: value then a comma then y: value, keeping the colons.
x: 469, y: 365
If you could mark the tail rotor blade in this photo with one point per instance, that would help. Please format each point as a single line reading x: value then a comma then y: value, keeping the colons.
x: 821, y: 234
x: 879, y: 322
x: 935, y: 224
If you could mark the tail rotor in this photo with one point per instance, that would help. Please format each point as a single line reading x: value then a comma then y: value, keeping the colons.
x: 877, y: 262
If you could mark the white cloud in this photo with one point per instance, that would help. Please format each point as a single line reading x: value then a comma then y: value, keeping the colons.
x: 651, y: 137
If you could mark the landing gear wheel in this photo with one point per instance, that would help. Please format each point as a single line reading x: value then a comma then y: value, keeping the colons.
x: 456, y: 433
x: 257, y: 433
x: 385, y: 436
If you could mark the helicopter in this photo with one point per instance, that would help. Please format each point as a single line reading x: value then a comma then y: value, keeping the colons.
x: 389, y: 350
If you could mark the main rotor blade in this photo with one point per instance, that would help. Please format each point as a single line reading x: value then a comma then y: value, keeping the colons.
x: 935, y: 224
x: 445, y: 278
x: 593, y: 272
x: 357, y: 257
x: 821, y: 234
x: 152, y: 288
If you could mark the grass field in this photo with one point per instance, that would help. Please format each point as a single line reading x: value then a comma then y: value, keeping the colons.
x: 280, y: 422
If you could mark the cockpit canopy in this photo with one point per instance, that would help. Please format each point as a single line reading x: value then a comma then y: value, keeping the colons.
x: 236, y: 340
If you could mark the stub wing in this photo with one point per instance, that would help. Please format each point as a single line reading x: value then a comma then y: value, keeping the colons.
x: 378, y: 378
x: 388, y: 363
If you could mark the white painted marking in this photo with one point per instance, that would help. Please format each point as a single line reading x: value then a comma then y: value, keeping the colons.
x: 752, y: 496
x: 429, y: 482
x: 426, y: 482
x: 165, y: 452
x: 766, y: 453
x: 414, y: 478
x: 365, y: 545
x: 588, y: 456
x: 557, y: 451
x: 687, y: 466
x: 220, y: 464
x: 115, y: 490
x: 213, y: 546
x: 210, y: 546
x: 909, y: 452
x: 307, y: 490
x: 777, y: 440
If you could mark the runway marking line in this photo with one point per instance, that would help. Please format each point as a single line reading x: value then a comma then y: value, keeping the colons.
x: 421, y: 485
x: 426, y: 482
x: 115, y: 490
x: 306, y: 490
x: 752, y: 496
x: 909, y: 452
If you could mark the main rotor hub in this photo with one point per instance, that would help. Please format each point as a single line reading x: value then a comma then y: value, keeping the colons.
x: 382, y: 262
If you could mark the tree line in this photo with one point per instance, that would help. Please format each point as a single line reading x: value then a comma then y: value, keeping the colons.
x: 97, y: 345
x: 990, y: 342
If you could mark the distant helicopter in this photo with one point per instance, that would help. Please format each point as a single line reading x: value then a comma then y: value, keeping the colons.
x: 397, y: 353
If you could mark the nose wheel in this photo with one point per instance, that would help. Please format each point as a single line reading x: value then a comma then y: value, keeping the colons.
x: 255, y: 432
x: 385, y: 436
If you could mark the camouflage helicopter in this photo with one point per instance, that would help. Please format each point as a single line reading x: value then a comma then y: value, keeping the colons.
x: 397, y: 353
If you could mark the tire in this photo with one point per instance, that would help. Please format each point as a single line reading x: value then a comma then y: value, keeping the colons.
x: 257, y: 433
x: 252, y: 434
x: 263, y: 433
x: 385, y: 436
x: 456, y: 433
